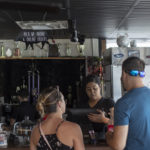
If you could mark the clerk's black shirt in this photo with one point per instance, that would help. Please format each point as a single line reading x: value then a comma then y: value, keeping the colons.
x: 103, y: 104
x: 23, y: 110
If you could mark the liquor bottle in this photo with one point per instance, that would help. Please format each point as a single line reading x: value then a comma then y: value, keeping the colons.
x: 2, y: 51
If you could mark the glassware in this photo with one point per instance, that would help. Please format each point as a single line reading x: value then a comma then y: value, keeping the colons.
x: 81, y: 49
x: 17, y: 52
x: 8, y: 52
x: 2, y: 50
x: 3, y: 137
x: 68, y: 50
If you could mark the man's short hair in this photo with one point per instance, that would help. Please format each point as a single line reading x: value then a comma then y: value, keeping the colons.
x: 133, y: 63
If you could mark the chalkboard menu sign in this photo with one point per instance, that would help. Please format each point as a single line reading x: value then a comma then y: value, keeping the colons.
x: 30, y: 37
x: 34, y: 36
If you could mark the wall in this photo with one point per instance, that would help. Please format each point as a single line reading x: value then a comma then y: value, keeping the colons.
x: 63, y: 72
x: 91, y: 48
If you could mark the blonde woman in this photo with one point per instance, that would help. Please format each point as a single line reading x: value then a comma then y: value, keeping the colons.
x: 54, y: 133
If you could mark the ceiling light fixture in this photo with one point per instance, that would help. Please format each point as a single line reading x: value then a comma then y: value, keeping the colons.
x: 42, y: 25
x: 73, y: 30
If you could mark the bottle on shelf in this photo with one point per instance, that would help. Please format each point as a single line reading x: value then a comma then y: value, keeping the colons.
x: 2, y: 50
x: 17, y: 52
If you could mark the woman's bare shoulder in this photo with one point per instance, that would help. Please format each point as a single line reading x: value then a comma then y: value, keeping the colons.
x: 35, y: 135
x: 35, y: 131
x: 71, y: 125
x: 35, y: 128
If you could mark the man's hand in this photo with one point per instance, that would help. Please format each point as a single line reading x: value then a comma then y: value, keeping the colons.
x: 109, y: 135
x: 98, y: 118
x: 117, y: 139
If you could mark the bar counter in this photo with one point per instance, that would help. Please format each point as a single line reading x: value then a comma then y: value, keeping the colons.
x: 87, y: 147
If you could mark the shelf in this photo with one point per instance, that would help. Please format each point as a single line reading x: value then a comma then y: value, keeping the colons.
x: 32, y: 58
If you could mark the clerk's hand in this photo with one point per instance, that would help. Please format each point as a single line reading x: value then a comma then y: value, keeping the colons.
x: 98, y: 118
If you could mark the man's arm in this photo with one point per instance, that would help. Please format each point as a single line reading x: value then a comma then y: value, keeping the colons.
x: 117, y: 139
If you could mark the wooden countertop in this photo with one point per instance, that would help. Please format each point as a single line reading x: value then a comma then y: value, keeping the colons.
x: 15, y: 148
x: 87, y: 147
x: 97, y: 147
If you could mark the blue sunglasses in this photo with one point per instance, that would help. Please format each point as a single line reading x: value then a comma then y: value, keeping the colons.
x: 136, y: 73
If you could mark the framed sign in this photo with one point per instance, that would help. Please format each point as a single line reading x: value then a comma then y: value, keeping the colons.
x: 134, y: 53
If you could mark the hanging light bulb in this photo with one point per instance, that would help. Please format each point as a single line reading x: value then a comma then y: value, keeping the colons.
x: 74, y: 37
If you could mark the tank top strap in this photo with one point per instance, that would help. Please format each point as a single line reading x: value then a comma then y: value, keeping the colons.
x: 59, y: 125
x: 39, y: 127
x: 39, y: 124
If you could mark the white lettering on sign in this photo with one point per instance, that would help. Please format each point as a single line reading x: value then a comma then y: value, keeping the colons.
x: 40, y: 33
x: 34, y: 36
x: 32, y: 33
x: 41, y: 39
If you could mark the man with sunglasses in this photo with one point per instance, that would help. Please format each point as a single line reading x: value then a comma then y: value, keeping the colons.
x: 131, y: 112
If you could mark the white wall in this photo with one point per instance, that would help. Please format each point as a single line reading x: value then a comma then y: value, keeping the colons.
x: 91, y: 48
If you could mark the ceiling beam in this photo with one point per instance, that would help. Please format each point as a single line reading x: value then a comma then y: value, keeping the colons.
x: 134, y: 4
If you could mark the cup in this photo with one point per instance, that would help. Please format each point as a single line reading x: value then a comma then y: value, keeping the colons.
x: 110, y: 127
x: 3, y: 139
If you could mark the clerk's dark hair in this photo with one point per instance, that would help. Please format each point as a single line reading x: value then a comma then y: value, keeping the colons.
x: 93, y: 78
x: 48, y: 99
x: 133, y: 63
